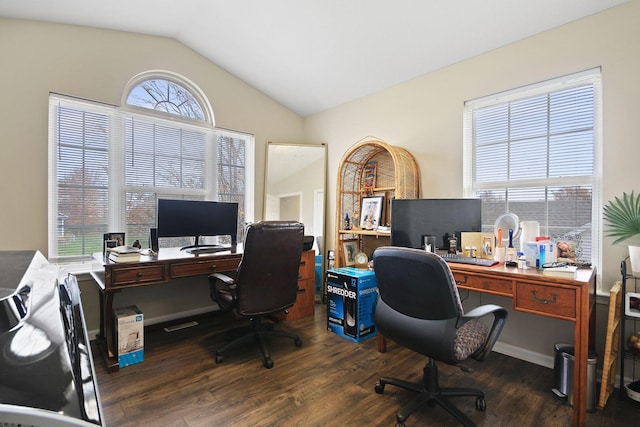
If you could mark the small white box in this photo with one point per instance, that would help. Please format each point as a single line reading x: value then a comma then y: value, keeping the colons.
x: 129, y: 335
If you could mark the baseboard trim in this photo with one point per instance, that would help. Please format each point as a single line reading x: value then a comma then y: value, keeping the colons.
x: 524, y: 354
x: 149, y: 321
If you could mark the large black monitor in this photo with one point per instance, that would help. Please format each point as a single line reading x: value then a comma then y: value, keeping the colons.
x: 197, y: 218
x: 411, y: 219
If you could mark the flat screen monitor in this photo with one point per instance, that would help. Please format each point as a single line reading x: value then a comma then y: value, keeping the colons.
x: 197, y: 218
x: 412, y: 219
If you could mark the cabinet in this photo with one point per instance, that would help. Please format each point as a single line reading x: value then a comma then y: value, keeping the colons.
x: 396, y: 176
x: 305, y: 302
x: 630, y: 325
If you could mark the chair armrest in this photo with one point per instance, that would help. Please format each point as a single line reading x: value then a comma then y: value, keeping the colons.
x: 226, y: 280
x: 499, y: 318
x: 222, y: 290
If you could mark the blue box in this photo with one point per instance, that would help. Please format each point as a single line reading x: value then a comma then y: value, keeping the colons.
x: 351, y: 297
x: 318, y: 287
x: 129, y: 335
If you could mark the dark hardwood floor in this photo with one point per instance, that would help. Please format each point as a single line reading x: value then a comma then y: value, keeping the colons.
x: 327, y: 382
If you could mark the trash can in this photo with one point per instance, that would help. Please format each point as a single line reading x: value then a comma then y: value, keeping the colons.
x: 563, y: 371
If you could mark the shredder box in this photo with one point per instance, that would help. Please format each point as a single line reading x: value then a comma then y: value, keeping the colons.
x: 351, y: 298
x: 129, y: 329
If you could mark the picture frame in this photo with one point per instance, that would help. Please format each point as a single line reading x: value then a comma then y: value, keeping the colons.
x: 369, y: 176
x: 111, y: 240
x: 567, y: 250
x: 371, y: 212
x: 349, y: 251
x: 632, y: 304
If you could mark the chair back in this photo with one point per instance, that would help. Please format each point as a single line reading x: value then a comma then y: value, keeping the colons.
x: 416, y: 283
x: 267, y: 279
x: 418, y: 305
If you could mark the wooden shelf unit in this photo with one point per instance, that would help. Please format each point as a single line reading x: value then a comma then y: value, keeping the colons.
x: 397, y: 176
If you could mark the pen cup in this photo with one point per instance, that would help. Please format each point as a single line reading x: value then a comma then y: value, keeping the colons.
x: 429, y: 243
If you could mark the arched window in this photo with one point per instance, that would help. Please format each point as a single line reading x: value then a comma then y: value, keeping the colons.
x: 110, y: 165
x: 168, y: 93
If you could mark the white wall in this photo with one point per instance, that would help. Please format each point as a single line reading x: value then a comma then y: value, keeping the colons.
x: 424, y: 115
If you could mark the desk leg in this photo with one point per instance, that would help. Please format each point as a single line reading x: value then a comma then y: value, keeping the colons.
x: 105, y: 336
x: 582, y: 344
x: 382, y: 343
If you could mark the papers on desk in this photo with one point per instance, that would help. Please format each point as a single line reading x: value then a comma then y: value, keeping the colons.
x: 569, y: 271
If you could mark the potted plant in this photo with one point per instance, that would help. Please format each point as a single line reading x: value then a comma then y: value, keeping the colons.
x: 622, y: 218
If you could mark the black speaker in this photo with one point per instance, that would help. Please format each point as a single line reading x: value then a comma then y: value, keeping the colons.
x: 153, y: 239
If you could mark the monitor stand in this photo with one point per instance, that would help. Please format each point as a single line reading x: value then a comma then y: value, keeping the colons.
x: 205, y: 249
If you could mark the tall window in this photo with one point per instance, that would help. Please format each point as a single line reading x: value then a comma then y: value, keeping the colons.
x: 535, y: 152
x: 110, y: 165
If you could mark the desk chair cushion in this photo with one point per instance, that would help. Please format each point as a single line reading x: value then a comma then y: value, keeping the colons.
x: 469, y: 338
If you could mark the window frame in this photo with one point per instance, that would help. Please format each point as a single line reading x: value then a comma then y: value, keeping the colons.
x: 470, y: 186
x: 117, y: 186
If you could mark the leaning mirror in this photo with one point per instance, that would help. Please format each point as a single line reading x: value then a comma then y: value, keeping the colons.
x: 294, y: 190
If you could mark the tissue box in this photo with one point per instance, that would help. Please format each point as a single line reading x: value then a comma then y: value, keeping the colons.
x: 351, y: 297
x: 130, y: 335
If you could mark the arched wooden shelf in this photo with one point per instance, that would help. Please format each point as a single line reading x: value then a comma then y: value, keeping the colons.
x: 397, y: 176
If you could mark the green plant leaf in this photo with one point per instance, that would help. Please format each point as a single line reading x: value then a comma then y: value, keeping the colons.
x: 622, y: 217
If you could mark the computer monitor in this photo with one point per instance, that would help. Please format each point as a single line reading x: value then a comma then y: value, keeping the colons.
x: 197, y: 218
x: 412, y: 219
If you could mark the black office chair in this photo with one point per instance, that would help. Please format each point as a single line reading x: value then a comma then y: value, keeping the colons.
x: 266, y: 283
x: 419, y: 308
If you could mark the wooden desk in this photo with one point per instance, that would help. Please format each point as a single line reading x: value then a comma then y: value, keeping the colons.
x: 536, y: 293
x: 169, y: 263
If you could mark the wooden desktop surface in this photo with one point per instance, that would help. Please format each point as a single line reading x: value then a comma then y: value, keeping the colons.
x: 533, y: 292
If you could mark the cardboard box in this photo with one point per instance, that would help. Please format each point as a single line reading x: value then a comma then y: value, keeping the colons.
x: 129, y: 329
x: 351, y: 298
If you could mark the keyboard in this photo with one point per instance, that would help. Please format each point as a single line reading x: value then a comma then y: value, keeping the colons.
x: 468, y: 260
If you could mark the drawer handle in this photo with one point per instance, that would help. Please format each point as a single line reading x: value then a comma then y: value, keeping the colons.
x: 139, y: 274
x: 213, y: 267
x: 459, y: 282
x: 543, y: 300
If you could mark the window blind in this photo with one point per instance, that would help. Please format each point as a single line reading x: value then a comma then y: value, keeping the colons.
x: 109, y: 166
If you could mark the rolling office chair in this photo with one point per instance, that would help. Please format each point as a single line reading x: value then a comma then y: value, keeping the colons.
x: 266, y: 282
x: 419, y: 308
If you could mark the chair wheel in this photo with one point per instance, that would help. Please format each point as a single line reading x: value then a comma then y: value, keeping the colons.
x: 298, y: 342
x: 268, y: 363
x: 379, y: 388
x: 399, y: 424
x: 481, y: 404
x: 219, y: 359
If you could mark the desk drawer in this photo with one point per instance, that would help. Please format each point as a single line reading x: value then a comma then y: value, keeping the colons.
x: 487, y: 284
x: 138, y: 274
x: 546, y: 300
x: 209, y: 266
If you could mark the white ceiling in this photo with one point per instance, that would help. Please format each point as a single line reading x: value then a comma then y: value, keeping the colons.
x: 312, y: 55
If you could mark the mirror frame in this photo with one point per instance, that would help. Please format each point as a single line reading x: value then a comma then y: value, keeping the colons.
x: 324, y: 189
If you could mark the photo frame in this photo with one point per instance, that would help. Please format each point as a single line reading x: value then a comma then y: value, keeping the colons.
x: 371, y: 212
x: 111, y: 240
x: 632, y: 304
x: 349, y: 251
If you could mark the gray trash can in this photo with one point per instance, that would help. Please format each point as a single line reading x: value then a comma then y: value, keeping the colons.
x: 563, y: 371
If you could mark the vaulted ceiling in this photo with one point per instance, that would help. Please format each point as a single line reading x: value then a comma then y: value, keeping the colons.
x: 312, y: 55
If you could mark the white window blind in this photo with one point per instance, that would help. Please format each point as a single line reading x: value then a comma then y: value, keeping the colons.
x: 109, y: 166
x: 535, y: 152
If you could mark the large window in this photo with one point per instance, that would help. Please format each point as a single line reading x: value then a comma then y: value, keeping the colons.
x: 535, y: 152
x: 110, y: 165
